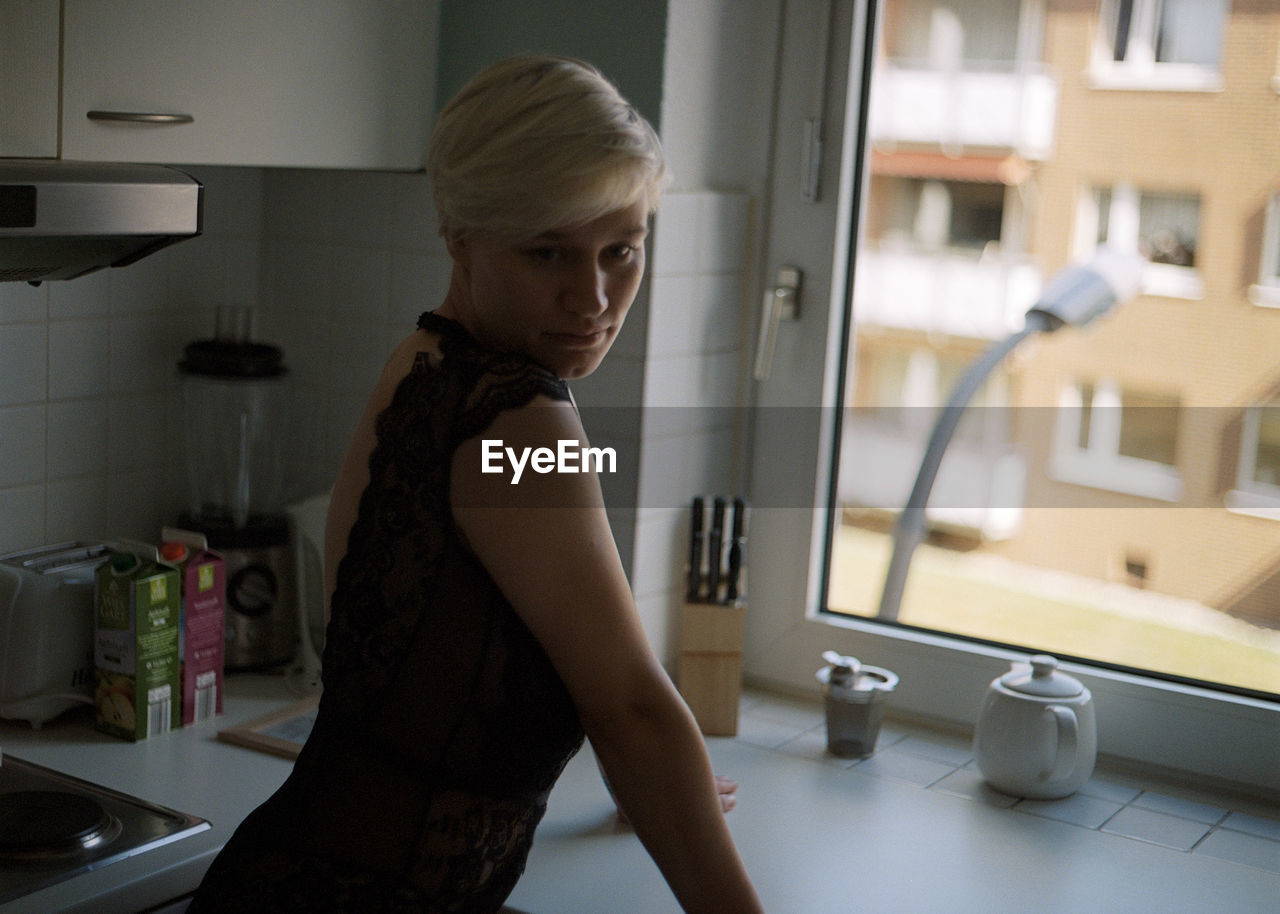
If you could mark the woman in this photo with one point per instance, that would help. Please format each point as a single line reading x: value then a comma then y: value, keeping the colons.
x: 480, y: 626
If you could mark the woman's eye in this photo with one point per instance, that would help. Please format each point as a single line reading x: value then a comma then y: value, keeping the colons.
x: 545, y: 254
x: 622, y: 251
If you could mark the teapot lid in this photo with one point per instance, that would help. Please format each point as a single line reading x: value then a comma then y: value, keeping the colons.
x: 1044, y: 680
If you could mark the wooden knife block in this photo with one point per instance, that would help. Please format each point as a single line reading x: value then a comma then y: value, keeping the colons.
x: 710, y: 667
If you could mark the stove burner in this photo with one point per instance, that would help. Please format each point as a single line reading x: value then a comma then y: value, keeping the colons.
x: 52, y: 824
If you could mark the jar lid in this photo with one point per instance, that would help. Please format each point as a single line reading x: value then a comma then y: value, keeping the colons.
x: 845, y: 678
x: 1043, y: 680
x: 226, y: 359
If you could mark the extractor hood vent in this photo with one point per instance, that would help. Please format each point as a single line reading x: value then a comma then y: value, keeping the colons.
x: 62, y: 219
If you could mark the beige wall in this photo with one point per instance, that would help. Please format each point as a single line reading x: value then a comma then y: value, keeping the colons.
x: 1217, y: 354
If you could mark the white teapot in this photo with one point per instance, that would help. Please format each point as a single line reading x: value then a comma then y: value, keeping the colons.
x: 1036, y: 735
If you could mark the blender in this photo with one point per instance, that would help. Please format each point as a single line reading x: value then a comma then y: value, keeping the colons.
x: 234, y: 405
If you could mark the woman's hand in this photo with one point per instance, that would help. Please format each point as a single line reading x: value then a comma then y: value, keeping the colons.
x: 726, y: 787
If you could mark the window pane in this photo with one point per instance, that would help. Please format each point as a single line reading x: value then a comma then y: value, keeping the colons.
x: 1190, y: 31
x: 1267, y: 467
x: 1102, y: 200
x: 1120, y: 31
x: 1149, y: 427
x: 1095, y: 528
x: 1167, y: 226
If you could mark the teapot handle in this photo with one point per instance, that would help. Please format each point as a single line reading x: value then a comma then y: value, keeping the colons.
x: 1068, y: 731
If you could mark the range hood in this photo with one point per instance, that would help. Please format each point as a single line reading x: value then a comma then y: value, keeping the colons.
x: 61, y: 219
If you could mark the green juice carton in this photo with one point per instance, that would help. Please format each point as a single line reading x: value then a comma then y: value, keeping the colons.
x: 200, y: 635
x: 137, y: 601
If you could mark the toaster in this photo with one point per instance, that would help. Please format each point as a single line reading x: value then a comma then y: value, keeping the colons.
x: 46, y: 629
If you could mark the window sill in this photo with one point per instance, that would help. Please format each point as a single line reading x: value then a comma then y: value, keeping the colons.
x: 1168, y: 281
x: 1155, y: 78
x: 1265, y: 295
x: 1127, y: 476
x: 1253, y: 504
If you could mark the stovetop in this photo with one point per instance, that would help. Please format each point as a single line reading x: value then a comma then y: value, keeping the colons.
x: 54, y: 826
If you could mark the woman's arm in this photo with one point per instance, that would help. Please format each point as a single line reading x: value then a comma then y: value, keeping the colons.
x: 547, y: 543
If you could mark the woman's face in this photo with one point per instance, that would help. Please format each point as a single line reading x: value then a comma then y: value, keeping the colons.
x: 559, y: 298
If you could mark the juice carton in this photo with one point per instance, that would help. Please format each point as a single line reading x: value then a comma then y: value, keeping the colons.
x: 204, y: 592
x: 135, y: 643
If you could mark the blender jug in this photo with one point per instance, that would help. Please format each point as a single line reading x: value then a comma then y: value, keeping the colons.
x: 234, y: 400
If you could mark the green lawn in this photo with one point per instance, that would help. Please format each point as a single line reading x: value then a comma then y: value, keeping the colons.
x: 948, y: 592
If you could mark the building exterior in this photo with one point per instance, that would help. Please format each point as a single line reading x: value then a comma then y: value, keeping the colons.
x: 1008, y: 139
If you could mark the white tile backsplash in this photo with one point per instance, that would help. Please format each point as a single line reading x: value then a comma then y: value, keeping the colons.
x: 24, y: 303
x: 87, y: 296
x: 694, y: 377
x: 77, y: 438
x: 23, y: 361
x: 79, y: 358
x: 22, y: 445
x: 22, y: 517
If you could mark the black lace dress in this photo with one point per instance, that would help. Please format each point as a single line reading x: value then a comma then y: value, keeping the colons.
x: 443, y: 725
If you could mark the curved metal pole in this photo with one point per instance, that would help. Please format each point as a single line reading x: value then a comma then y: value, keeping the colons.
x: 909, y: 530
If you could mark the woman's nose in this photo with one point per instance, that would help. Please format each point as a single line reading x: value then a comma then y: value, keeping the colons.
x: 587, y: 290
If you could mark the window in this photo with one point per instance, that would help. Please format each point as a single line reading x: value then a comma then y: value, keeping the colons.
x: 1161, y: 44
x: 1257, y: 488
x: 1119, y: 440
x: 1163, y: 227
x: 1143, y: 584
x: 1266, y: 292
x: 964, y: 215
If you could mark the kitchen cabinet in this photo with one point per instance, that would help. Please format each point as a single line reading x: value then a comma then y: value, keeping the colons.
x: 306, y: 83
x: 29, y: 78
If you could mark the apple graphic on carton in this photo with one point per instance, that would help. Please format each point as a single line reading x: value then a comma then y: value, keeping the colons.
x: 114, y: 698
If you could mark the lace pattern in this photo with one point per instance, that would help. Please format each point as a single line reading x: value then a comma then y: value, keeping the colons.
x: 442, y: 718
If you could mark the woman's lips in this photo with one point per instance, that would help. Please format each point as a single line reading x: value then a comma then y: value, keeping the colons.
x: 580, y: 340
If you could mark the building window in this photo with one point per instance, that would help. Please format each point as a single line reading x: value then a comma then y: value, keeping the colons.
x: 1266, y: 292
x: 1258, y: 475
x: 1160, y: 44
x: 1163, y: 227
x: 1119, y: 440
x: 927, y: 213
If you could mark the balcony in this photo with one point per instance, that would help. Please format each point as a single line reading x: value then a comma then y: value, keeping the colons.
x: 980, y: 489
x: 958, y: 293
x: 971, y: 107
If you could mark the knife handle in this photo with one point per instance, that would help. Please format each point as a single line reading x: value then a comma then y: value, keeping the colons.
x: 737, y: 550
x: 715, y: 550
x: 695, y: 553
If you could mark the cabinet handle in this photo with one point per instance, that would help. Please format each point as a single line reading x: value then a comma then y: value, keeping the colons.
x: 140, y: 117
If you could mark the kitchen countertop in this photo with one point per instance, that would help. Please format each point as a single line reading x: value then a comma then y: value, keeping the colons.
x: 817, y: 836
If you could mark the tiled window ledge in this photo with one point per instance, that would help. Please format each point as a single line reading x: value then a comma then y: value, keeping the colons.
x: 1143, y: 809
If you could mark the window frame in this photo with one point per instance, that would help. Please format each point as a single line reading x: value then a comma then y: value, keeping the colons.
x: 1122, y: 231
x: 1265, y: 293
x: 1140, y: 70
x: 1213, y: 736
x: 1099, y: 464
x: 1249, y: 496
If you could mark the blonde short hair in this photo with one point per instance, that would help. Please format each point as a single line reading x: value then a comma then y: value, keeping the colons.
x: 536, y: 143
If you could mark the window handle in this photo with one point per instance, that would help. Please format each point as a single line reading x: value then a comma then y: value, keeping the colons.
x: 140, y: 117
x: 781, y: 303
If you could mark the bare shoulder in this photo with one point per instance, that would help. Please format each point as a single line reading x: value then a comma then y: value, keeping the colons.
x: 534, y: 455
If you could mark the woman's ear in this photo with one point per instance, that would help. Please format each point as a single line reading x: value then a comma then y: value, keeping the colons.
x: 459, y: 250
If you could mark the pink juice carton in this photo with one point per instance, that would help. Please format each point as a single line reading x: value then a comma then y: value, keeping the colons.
x: 137, y: 599
x: 204, y: 593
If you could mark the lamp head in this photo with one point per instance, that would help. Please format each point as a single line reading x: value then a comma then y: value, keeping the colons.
x: 1079, y: 293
